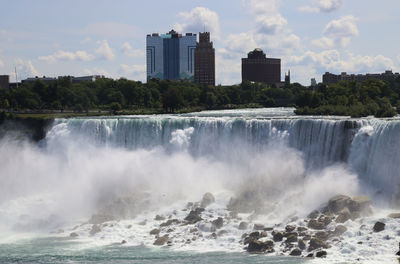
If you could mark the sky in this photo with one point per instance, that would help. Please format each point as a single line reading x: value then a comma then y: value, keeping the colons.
x: 108, y: 37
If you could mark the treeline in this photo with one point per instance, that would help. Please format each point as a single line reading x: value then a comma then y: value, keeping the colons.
x: 372, y: 97
x: 168, y: 96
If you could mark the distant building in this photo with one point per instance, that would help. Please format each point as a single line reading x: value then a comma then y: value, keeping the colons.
x: 313, y: 82
x: 48, y: 80
x: 44, y: 79
x: 5, y: 81
x: 258, y: 68
x: 204, y: 60
x: 329, y: 78
x: 170, y: 56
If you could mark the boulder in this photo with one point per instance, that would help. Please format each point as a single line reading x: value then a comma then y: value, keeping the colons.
x: 290, y: 228
x: 258, y: 227
x: 278, y: 236
x: 243, y: 225
x: 207, y: 199
x: 222, y: 232
x: 316, y: 243
x: 301, y: 228
x: 311, y: 255
x: 301, y: 244
x: 218, y: 223
x: 295, y: 252
x: 155, y: 231
x: 322, y: 235
x: 316, y: 224
x: 159, y: 218
x: 394, y: 215
x: 339, y: 230
x: 338, y: 203
x: 170, y: 222
x: 291, y: 239
x: 251, y: 237
x: 343, y: 216
x: 95, y: 229
x: 193, y: 217
x: 123, y: 242
x: 258, y: 246
x: 321, y: 254
x: 73, y: 234
x: 379, y: 226
x: 161, y: 241
x: 313, y: 215
x: 360, y: 203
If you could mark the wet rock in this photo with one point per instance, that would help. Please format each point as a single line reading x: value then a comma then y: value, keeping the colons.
x: 339, y: 230
x: 394, y: 215
x: 313, y: 215
x: 123, y: 242
x: 307, y: 237
x: 95, y: 229
x: 322, y: 235
x: 315, y: 224
x: 252, y: 237
x: 379, y: 226
x: 161, y: 241
x: 338, y: 203
x: 278, y: 236
x: 258, y: 227
x: 301, y: 244
x: 301, y: 228
x: 222, y: 232
x: 360, y: 203
x: 170, y: 222
x: 291, y: 239
x: 207, y: 199
x: 73, y: 234
x: 193, y: 230
x: 311, y: 255
x: 159, y: 218
x: 170, y: 230
x: 316, y: 243
x: 243, y: 225
x: 290, y: 228
x: 321, y: 254
x: 263, y: 234
x: 268, y: 228
x: 218, y: 223
x: 155, y: 231
x: 214, y: 236
x: 193, y: 217
x: 295, y: 252
x: 343, y: 216
x: 258, y: 246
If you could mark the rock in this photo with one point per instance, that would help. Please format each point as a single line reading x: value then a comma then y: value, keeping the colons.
x: 301, y: 228
x: 170, y: 222
x: 252, y: 237
x: 339, y: 230
x: 155, y: 231
x: 286, y: 234
x: 213, y: 235
x: 258, y: 246
x: 218, y: 223
x: 263, y: 234
x: 243, y: 225
x: 291, y: 239
x: 161, y: 241
x: 290, y: 228
x: 321, y: 254
x: 313, y: 215
x: 343, y: 216
x: 394, y: 215
x: 207, y: 199
x: 315, y: 224
x: 360, y: 203
x: 278, y: 236
x: 338, y: 203
x: 316, y: 243
x: 379, y: 226
x: 311, y: 255
x: 193, y: 217
x: 258, y: 227
x: 95, y: 229
x: 159, y: 218
x: 73, y: 234
x: 301, y: 244
x: 123, y: 242
x: 322, y: 235
x: 222, y: 232
x: 129, y: 226
x: 295, y: 252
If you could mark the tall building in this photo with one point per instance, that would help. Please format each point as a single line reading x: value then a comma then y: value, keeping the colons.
x: 204, y: 60
x: 5, y: 81
x: 258, y: 68
x: 170, y: 56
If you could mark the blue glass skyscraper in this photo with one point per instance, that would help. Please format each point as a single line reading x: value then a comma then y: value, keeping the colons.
x: 170, y: 56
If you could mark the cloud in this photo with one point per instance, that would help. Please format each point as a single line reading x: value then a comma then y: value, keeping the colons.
x: 338, y: 33
x: 25, y: 69
x: 398, y: 58
x: 104, y: 51
x: 262, y: 7
x: 67, y: 56
x: 138, y: 72
x: 271, y: 25
x: 96, y: 71
x: 1, y: 63
x: 111, y: 30
x: 325, y: 6
x: 127, y: 50
x: 198, y: 19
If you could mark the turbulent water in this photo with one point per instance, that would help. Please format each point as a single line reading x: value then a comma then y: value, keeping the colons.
x: 135, y: 167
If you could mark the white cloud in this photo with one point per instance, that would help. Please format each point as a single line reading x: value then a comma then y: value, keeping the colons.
x: 398, y: 58
x: 25, y: 69
x: 262, y: 7
x: 271, y: 25
x: 1, y: 63
x: 138, y: 72
x: 338, y: 33
x: 97, y: 71
x: 67, y: 56
x: 104, y: 51
x: 322, y: 6
x: 111, y: 30
x: 127, y: 49
x: 198, y: 19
